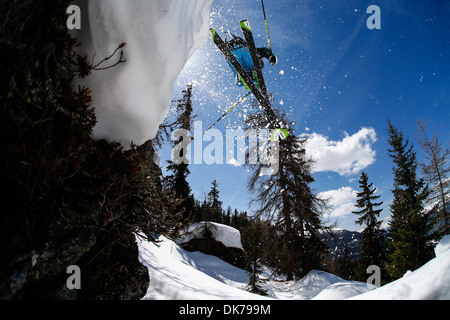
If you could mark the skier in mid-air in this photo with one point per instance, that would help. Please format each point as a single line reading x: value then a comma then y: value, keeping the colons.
x: 246, y: 62
x: 241, y: 51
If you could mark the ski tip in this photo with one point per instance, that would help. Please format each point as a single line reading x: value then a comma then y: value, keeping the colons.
x: 212, y: 33
x: 246, y: 25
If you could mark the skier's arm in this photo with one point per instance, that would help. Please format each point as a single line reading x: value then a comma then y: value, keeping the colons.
x: 264, y: 52
x: 268, y: 54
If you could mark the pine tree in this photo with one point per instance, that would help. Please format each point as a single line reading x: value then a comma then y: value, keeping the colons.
x: 227, y: 217
x: 408, y: 242
x: 235, y: 219
x: 253, y: 237
x: 213, y: 210
x: 436, y: 171
x: 346, y: 266
x: 239, y: 219
x: 65, y: 196
x: 372, y: 236
x: 197, y: 212
x: 213, y: 196
x: 288, y: 197
x: 177, y: 181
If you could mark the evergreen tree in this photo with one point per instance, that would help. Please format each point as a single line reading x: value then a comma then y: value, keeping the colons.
x: 346, y: 266
x: 253, y: 237
x: 197, y: 211
x: 372, y: 236
x: 213, y: 196
x: 288, y: 197
x: 177, y: 181
x: 183, y: 118
x: 408, y: 242
x: 227, y: 217
x: 234, y: 219
x: 274, y: 244
x: 213, y: 210
x: 65, y: 196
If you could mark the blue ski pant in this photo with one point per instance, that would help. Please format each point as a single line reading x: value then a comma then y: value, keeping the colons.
x: 243, y: 56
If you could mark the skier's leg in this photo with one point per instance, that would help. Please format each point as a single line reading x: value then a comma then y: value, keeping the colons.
x: 246, y: 60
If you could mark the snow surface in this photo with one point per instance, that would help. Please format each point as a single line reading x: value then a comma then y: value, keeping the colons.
x: 343, y: 290
x: 229, y: 236
x: 176, y: 274
x: 181, y: 275
x: 132, y: 99
x: 430, y: 282
x: 443, y: 246
x: 311, y: 286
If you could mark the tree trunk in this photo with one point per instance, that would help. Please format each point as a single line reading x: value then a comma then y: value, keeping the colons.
x: 288, y: 226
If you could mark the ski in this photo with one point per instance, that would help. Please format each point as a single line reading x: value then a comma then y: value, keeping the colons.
x: 248, y: 34
x: 262, y: 99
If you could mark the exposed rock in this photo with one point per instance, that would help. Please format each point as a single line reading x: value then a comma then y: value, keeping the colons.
x: 207, y: 237
x: 41, y: 274
x: 115, y: 272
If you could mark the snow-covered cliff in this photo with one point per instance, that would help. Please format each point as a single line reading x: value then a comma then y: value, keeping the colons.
x: 132, y: 99
x: 228, y: 236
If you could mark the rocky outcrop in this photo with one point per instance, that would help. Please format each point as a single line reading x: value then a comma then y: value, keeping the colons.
x: 210, y: 238
x: 112, y: 271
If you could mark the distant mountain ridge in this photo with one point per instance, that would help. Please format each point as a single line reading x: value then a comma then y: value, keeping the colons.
x: 342, y: 239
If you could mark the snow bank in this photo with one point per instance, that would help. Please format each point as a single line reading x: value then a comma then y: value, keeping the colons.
x: 229, y: 236
x: 431, y: 281
x: 443, y: 246
x: 317, y: 285
x: 306, y: 288
x: 344, y: 290
x: 176, y: 274
x: 132, y: 99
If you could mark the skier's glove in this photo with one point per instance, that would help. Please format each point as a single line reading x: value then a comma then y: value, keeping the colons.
x: 273, y: 60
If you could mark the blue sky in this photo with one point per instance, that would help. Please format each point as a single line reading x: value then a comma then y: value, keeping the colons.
x: 339, y: 82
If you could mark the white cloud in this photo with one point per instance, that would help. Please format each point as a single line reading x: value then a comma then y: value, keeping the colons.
x: 347, y: 156
x: 342, y: 201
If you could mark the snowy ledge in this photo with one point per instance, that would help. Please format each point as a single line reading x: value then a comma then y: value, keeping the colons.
x: 132, y: 99
x: 228, y: 236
